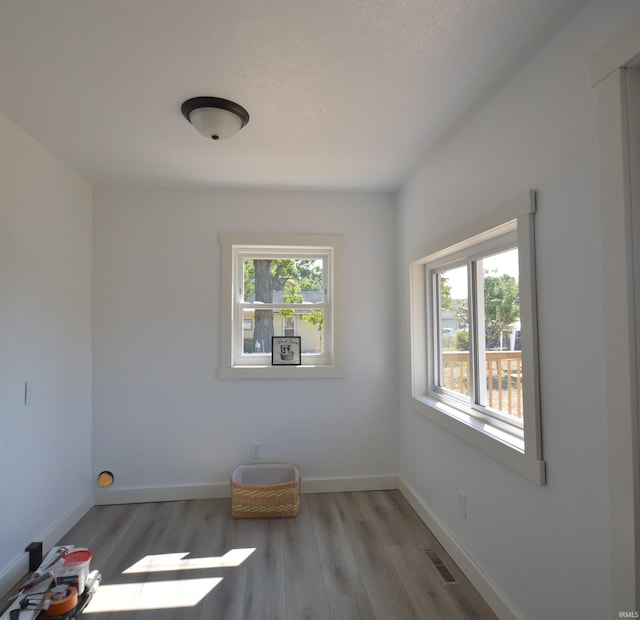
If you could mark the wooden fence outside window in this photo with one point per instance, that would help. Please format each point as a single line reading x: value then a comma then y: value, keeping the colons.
x: 504, y: 378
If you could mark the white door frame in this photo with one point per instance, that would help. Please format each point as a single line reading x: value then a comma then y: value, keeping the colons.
x: 614, y: 78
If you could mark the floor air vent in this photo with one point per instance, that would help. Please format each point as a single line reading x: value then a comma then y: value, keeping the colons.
x: 443, y: 571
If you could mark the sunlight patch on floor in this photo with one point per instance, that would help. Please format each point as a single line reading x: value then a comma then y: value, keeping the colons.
x: 175, y: 561
x: 164, y: 594
x: 153, y: 595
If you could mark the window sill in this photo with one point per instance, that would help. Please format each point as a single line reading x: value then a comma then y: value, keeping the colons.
x: 500, y: 445
x: 281, y: 372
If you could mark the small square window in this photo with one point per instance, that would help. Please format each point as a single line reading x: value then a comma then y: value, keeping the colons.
x: 280, y: 285
x: 282, y: 291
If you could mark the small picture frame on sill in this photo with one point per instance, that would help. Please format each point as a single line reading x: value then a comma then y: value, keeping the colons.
x: 285, y: 351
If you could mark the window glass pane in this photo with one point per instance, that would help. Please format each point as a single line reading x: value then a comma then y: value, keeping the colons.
x: 503, y: 360
x: 289, y: 324
x: 283, y: 280
x: 453, y: 331
x: 281, y: 290
x: 259, y: 325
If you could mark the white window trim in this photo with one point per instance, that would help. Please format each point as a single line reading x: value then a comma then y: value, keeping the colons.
x: 240, y: 255
x: 522, y: 451
x: 498, y: 240
x: 229, y: 370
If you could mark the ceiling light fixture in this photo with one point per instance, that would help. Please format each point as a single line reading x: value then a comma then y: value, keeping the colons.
x: 215, y: 118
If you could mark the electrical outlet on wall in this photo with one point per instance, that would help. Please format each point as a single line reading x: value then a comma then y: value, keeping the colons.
x: 255, y: 451
x: 28, y: 393
x: 462, y: 504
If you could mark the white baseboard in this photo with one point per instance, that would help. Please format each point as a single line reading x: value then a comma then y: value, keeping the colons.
x: 343, y: 485
x: 141, y: 495
x: 223, y: 489
x: 501, y: 606
x: 20, y: 566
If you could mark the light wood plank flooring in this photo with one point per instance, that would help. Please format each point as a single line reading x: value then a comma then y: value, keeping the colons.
x: 346, y: 556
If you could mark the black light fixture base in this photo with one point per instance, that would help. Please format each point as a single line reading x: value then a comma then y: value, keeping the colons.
x: 214, y: 102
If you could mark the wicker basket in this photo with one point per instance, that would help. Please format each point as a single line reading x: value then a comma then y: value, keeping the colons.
x: 265, y: 490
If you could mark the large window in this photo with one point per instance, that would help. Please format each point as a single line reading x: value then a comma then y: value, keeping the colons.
x: 475, y: 332
x: 280, y: 285
x: 474, y: 342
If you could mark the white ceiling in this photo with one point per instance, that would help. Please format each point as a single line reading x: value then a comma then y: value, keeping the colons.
x: 341, y: 93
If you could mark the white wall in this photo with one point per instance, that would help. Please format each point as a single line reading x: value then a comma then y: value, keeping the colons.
x: 546, y: 548
x: 45, y: 338
x: 162, y: 418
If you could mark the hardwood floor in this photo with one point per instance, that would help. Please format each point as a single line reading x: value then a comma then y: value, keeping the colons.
x: 346, y: 556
